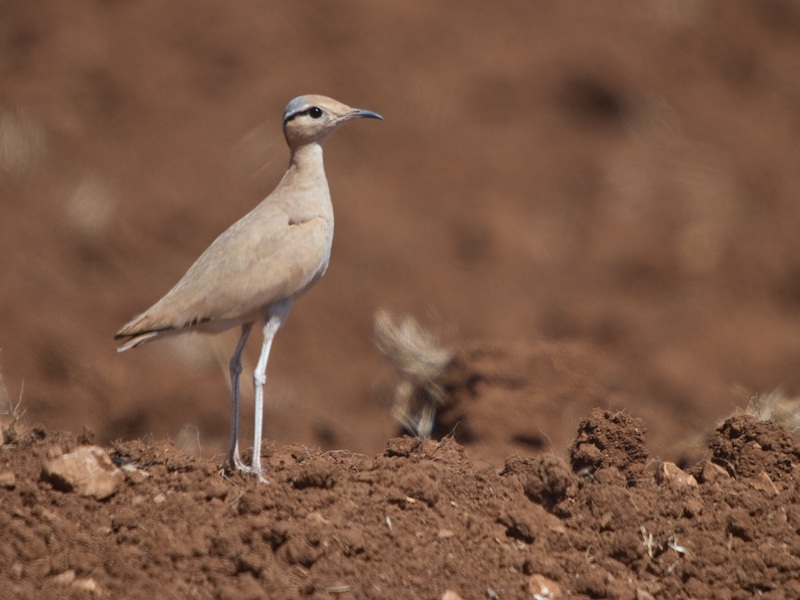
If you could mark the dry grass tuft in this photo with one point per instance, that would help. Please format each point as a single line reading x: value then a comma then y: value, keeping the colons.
x: 10, y: 414
x: 420, y: 359
x: 777, y: 406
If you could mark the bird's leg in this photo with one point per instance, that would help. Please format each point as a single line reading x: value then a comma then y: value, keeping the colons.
x: 234, y: 461
x: 272, y: 323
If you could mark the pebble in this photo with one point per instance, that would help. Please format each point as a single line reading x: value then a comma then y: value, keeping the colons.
x: 86, y: 471
x: 8, y: 480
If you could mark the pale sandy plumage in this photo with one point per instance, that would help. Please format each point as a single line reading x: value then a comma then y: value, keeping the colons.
x: 258, y: 266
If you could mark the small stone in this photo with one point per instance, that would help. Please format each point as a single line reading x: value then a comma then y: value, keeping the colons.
x: 445, y: 533
x: 65, y: 578
x: 451, y: 595
x: 8, y: 480
x: 713, y: 472
x: 669, y: 472
x: 87, y: 471
x: 542, y: 588
x: 762, y: 482
x: 159, y: 498
x: 317, y: 517
x: 87, y: 584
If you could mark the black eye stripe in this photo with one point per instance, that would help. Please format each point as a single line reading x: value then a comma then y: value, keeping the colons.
x: 314, y: 112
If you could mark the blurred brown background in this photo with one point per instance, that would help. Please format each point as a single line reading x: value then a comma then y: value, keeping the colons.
x: 624, y: 175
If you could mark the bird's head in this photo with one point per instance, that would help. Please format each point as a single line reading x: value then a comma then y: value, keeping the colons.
x: 311, y: 118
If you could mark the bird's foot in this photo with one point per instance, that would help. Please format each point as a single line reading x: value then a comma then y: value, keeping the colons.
x: 237, y: 465
x: 233, y: 462
x: 249, y: 470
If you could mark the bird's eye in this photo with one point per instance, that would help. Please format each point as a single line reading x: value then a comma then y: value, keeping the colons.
x: 315, y: 112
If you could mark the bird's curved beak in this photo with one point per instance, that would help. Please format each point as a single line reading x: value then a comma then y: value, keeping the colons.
x: 360, y: 113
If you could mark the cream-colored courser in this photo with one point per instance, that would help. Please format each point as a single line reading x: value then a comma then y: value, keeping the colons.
x: 253, y: 271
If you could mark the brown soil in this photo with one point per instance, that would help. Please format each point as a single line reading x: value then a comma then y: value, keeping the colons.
x: 594, y: 208
x: 417, y: 521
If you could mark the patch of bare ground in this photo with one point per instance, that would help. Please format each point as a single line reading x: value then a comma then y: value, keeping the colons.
x: 416, y: 521
x: 609, y: 197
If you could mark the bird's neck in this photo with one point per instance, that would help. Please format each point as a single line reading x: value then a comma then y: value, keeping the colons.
x: 307, y: 160
x: 304, y: 184
x: 305, y: 176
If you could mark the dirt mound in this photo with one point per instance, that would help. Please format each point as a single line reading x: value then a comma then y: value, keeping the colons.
x: 747, y: 447
x: 417, y: 521
x: 610, y: 440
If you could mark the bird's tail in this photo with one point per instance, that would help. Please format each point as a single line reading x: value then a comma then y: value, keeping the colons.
x: 134, y: 340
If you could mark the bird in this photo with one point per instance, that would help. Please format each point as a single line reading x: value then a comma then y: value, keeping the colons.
x: 252, y: 273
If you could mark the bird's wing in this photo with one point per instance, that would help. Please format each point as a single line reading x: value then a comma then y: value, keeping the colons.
x: 263, y: 258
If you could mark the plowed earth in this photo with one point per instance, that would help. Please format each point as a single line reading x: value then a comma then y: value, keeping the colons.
x: 596, y: 209
x: 419, y: 520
